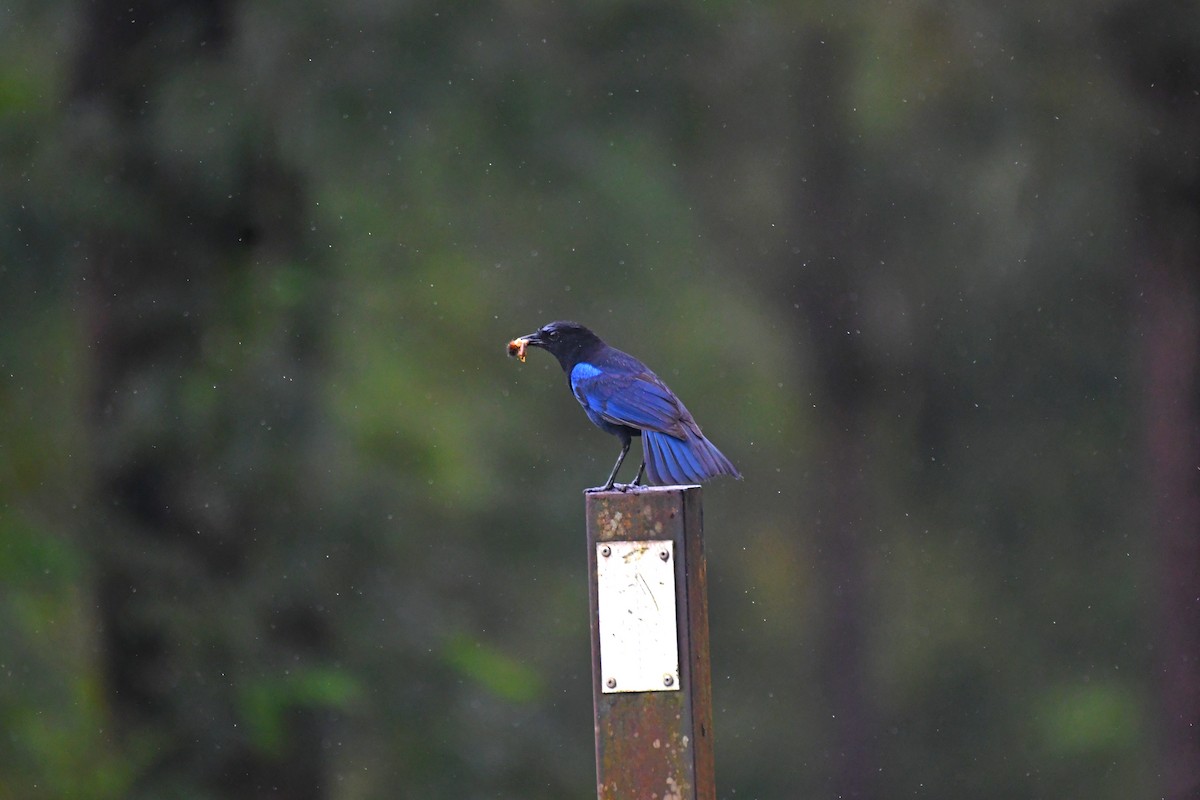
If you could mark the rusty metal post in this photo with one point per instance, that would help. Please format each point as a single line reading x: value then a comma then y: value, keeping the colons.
x: 651, y: 679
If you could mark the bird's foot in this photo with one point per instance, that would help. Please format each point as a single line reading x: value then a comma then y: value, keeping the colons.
x: 616, y: 487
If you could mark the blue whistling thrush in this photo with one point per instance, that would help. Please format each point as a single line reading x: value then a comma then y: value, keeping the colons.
x: 621, y: 396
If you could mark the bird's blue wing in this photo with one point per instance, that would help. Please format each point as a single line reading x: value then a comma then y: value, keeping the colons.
x: 624, y: 397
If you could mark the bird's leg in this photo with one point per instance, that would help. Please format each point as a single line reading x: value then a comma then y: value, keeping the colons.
x: 638, y: 480
x: 624, y: 449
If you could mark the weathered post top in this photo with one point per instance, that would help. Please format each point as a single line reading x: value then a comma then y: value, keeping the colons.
x: 651, y: 680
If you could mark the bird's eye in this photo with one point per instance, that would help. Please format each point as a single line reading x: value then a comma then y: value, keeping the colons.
x: 552, y: 336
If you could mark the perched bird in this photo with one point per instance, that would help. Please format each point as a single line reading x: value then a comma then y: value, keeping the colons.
x: 623, y: 397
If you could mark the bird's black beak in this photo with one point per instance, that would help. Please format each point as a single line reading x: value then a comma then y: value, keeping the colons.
x: 518, y: 345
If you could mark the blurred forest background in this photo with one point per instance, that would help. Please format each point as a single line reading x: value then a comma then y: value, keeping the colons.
x: 279, y: 519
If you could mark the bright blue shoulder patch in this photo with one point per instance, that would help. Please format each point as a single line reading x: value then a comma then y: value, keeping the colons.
x: 583, y: 371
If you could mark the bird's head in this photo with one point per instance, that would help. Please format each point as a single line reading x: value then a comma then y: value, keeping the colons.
x: 566, y: 341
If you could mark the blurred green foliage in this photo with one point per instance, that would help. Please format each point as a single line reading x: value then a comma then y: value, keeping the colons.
x: 262, y: 456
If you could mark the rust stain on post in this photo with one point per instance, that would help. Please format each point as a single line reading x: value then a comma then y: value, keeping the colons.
x: 656, y: 744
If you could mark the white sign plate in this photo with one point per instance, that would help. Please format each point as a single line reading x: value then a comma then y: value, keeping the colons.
x: 639, y: 644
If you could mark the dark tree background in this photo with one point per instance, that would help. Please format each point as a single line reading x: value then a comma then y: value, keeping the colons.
x: 278, y: 519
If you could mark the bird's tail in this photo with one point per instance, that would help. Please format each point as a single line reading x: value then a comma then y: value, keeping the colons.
x: 675, y: 461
